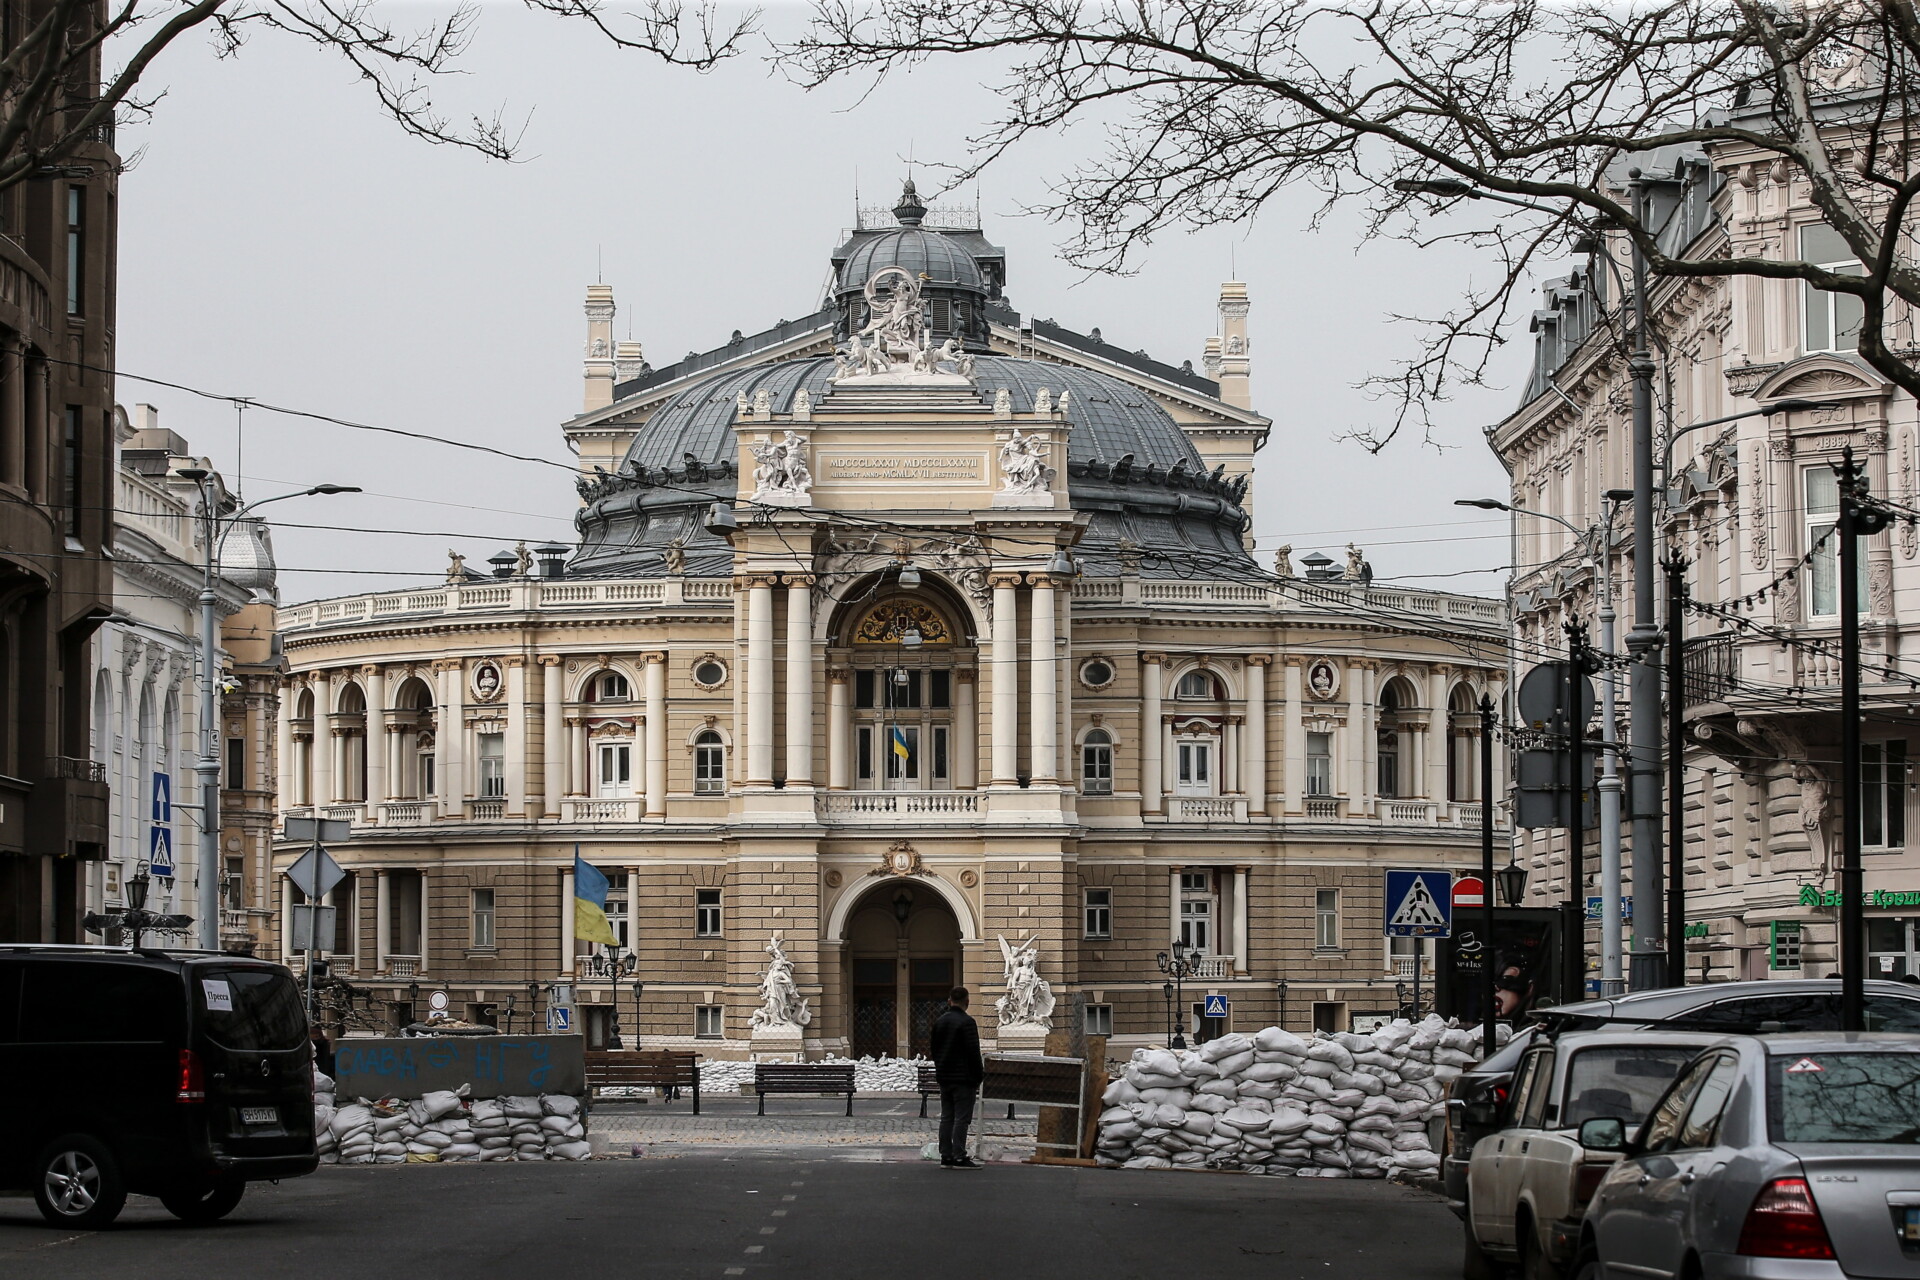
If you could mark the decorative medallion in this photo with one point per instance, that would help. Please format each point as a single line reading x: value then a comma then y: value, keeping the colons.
x: 1323, y: 680
x: 832, y: 877
x: 969, y: 878
x: 485, y: 682
x: 902, y: 859
x: 896, y: 622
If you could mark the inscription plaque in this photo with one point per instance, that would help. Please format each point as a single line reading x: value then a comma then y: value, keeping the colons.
x: 940, y: 468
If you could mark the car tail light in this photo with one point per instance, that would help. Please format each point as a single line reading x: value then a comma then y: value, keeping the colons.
x: 1785, y: 1223
x: 193, y: 1081
x: 1587, y: 1179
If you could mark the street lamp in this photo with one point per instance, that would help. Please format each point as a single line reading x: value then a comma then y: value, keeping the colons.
x: 1166, y: 989
x: 208, y: 765
x: 1280, y: 989
x: 1513, y: 885
x: 1182, y: 964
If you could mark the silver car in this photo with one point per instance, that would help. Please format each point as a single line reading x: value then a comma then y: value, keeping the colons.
x: 1781, y: 1157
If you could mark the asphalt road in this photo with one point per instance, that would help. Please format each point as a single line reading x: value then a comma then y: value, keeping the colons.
x: 712, y: 1214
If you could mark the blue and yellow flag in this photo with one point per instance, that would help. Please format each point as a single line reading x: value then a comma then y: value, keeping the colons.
x: 900, y: 747
x: 590, y: 903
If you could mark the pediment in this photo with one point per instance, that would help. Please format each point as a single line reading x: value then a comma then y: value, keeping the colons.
x: 1822, y: 377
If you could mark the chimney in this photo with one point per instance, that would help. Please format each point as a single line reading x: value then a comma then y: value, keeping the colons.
x: 599, y: 363
x: 146, y: 418
x: 1235, y: 387
x: 628, y: 361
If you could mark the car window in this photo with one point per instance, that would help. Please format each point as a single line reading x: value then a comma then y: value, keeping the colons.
x: 99, y: 1004
x: 250, y: 1008
x: 1844, y: 1097
x: 1621, y: 1081
x: 1891, y: 1013
x: 1702, y: 1124
x: 1812, y: 1011
x: 1530, y: 1107
x: 9, y: 1003
x: 1663, y: 1126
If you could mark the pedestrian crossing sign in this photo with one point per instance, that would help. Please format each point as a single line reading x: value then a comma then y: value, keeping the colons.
x: 1419, y: 904
x: 160, y: 851
x: 1215, y: 1007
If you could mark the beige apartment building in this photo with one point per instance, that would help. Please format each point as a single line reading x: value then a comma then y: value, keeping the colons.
x: 893, y: 648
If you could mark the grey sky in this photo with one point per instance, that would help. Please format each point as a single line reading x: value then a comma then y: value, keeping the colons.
x: 281, y: 239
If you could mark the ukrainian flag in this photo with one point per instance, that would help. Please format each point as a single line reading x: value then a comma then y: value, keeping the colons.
x: 900, y: 747
x: 590, y: 903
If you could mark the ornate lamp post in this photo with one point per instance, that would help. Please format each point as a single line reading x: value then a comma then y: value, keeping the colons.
x: 1182, y: 964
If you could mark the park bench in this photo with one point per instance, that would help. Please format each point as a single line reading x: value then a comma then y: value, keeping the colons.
x: 802, y: 1077
x: 663, y: 1069
x: 928, y: 1085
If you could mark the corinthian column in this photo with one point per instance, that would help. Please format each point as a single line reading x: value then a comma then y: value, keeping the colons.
x: 759, y: 680
x: 1003, y: 658
x: 1041, y: 708
x: 799, y: 679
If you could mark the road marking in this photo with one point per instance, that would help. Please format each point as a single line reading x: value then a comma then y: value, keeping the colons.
x: 767, y: 1231
x: 755, y: 1248
x: 797, y: 1197
x: 781, y: 1213
x: 740, y: 1271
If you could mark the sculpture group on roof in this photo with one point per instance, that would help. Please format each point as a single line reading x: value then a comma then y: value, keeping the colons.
x: 895, y: 339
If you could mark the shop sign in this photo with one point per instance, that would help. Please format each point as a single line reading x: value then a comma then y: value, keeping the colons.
x: 1880, y: 899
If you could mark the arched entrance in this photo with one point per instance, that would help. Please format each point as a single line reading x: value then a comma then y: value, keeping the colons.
x: 902, y: 957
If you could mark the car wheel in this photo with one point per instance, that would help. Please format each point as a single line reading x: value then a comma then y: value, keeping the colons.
x: 1475, y: 1264
x: 1534, y: 1263
x: 207, y: 1204
x: 1586, y: 1264
x: 77, y: 1183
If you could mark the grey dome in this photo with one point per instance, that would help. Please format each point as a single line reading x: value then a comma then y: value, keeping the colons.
x: 943, y: 262
x: 1128, y: 464
x: 246, y: 555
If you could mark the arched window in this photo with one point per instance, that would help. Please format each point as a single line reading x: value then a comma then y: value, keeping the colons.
x: 709, y: 764
x: 1198, y: 684
x: 1096, y: 763
x: 609, y: 686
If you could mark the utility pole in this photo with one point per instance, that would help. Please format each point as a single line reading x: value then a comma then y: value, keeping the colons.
x: 1676, y: 772
x: 1578, y: 779
x: 1857, y: 518
x: 1643, y: 646
x: 1488, y: 993
x: 1612, y: 975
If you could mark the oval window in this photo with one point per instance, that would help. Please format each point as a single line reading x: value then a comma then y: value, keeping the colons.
x: 709, y: 672
x: 1097, y: 674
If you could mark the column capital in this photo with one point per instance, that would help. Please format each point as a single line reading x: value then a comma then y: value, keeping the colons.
x: 1240, y: 720
x: 839, y: 675
x: 448, y: 664
x: 371, y: 669
x: 652, y: 656
x: 1293, y: 660
x: 799, y: 580
x: 1041, y: 582
x: 1153, y: 659
x: 514, y: 660
x: 1261, y: 660
x: 549, y: 660
x: 965, y: 675
x: 748, y: 581
x: 1004, y: 578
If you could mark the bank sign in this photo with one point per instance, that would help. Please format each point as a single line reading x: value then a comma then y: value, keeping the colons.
x: 1883, y: 899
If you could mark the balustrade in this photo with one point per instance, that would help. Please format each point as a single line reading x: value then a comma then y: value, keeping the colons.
x: 407, y: 813
x: 861, y: 806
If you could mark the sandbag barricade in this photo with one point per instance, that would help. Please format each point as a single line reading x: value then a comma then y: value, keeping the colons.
x: 444, y: 1125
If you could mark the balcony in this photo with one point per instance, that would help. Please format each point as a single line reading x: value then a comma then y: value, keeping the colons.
x: 68, y: 808
x: 1209, y: 809
x: 607, y: 809
x: 1213, y: 967
x: 883, y: 806
x: 1710, y: 669
x: 408, y: 813
x: 356, y: 813
x: 1324, y: 807
x: 1469, y: 815
x: 1409, y: 813
x: 403, y: 966
x: 493, y: 809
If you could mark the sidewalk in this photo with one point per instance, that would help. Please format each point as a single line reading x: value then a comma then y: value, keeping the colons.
x: 878, y: 1120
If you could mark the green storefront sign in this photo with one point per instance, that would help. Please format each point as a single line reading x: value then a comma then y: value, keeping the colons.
x: 1695, y: 929
x: 1880, y: 899
x: 1783, y: 945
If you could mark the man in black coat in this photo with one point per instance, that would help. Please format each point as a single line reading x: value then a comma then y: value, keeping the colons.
x: 954, y: 1045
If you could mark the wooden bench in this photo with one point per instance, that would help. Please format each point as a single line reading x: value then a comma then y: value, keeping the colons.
x: 927, y: 1085
x: 802, y: 1077
x: 669, y: 1070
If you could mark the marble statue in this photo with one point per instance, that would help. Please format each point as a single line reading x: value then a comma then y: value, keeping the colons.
x: 1002, y: 403
x: 1029, y: 999
x: 1042, y: 403
x: 1023, y: 464
x: 803, y: 403
x: 782, y: 471
x: 762, y: 403
x: 457, y: 563
x: 522, y: 560
x: 1283, y: 563
x: 676, y: 556
x: 1065, y: 398
x: 741, y: 406
x: 896, y: 322
x: 782, y: 1007
x: 1356, y: 564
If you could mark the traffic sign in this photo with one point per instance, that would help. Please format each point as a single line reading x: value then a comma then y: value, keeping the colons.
x: 1542, y: 696
x: 1469, y: 891
x: 162, y: 797
x: 1626, y: 907
x: 1419, y: 904
x: 559, y: 1018
x: 318, y: 830
x: 160, y: 851
x: 1215, y: 1007
x: 315, y: 873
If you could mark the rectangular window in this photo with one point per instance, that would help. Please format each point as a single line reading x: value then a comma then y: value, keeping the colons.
x: 1388, y: 759
x: 76, y: 249
x: 614, y: 777
x: 483, y: 920
x: 426, y: 775
x: 863, y: 688
x: 939, y: 689
x: 708, y: 1021
x: 939, y: 753
x: 1832, y: 319
x: 236, y: 764
x: 863, y: 752
x: 1319, y: 764
x: 493, y: 763
x: 1823, y: 508
x: 1326, y: 919
x: 1099, y: 913
x: 1099, y: 1019
x: 706, y: 913
x: 1196, y: 923
x: 1096, y: 765
x: 903, y: 752
x: 1883, y: 794
x: 70, y: 469
x: 709, y: 768
x: 902, y: 689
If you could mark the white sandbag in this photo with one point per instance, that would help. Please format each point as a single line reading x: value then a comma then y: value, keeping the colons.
x: 1181, y: 1098
x: 1149, y: 1080
x: 1269, y: 1073
x: 1330, y: 1051
x: 1288, y: 1123
x: 1146, y: 1162
x: 349, y: 1118
x: 1227, y: 1046
x: 560, y: 1104
x: 1276, y: 1040
x: 1159, y: 1062
x: 1209, y: 1103
x: 522, y: 1108
x: 1197, y: 1122
x: 1119, y: 1092
x: 1234, y: 1064
x: 1245, y: 1118
x: 461, y: 1151
x: 1253, y: 1089
x: 572, y: 1151
x: 1219, y: 1088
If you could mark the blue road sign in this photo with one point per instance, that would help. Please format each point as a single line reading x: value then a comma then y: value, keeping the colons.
x: 1216, y: 1007
x: 1419, y: 904
x: 162, y: 797
x: 1626, y: 907
x: 559, y: 1018
x: 160, y: 851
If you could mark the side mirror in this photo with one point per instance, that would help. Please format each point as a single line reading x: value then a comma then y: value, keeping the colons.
x: 1603, y: 1133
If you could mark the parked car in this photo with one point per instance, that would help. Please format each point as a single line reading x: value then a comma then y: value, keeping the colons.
x: 1781, y: 1157
x: 1477, y: 1101
x: 1529, y: 1183
x: 183, y: 1076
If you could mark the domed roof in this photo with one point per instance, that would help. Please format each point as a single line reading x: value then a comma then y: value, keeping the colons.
x: 943, y: 262
x: 1128, y: 463
x: 246, y: 555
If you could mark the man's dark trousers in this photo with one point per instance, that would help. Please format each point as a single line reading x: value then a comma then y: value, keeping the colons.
x: 956, y: 1116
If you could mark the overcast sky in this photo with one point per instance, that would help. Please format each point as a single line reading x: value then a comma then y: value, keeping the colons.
x: 281, y: 239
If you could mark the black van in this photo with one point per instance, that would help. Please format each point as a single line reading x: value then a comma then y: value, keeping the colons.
x: 180, y: 1075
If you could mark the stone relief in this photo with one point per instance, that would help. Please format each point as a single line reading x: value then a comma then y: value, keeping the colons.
x: 782, y: 477
x: 1028, y: 1003
x: 782, y: 1007
x: 1023, y: 464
